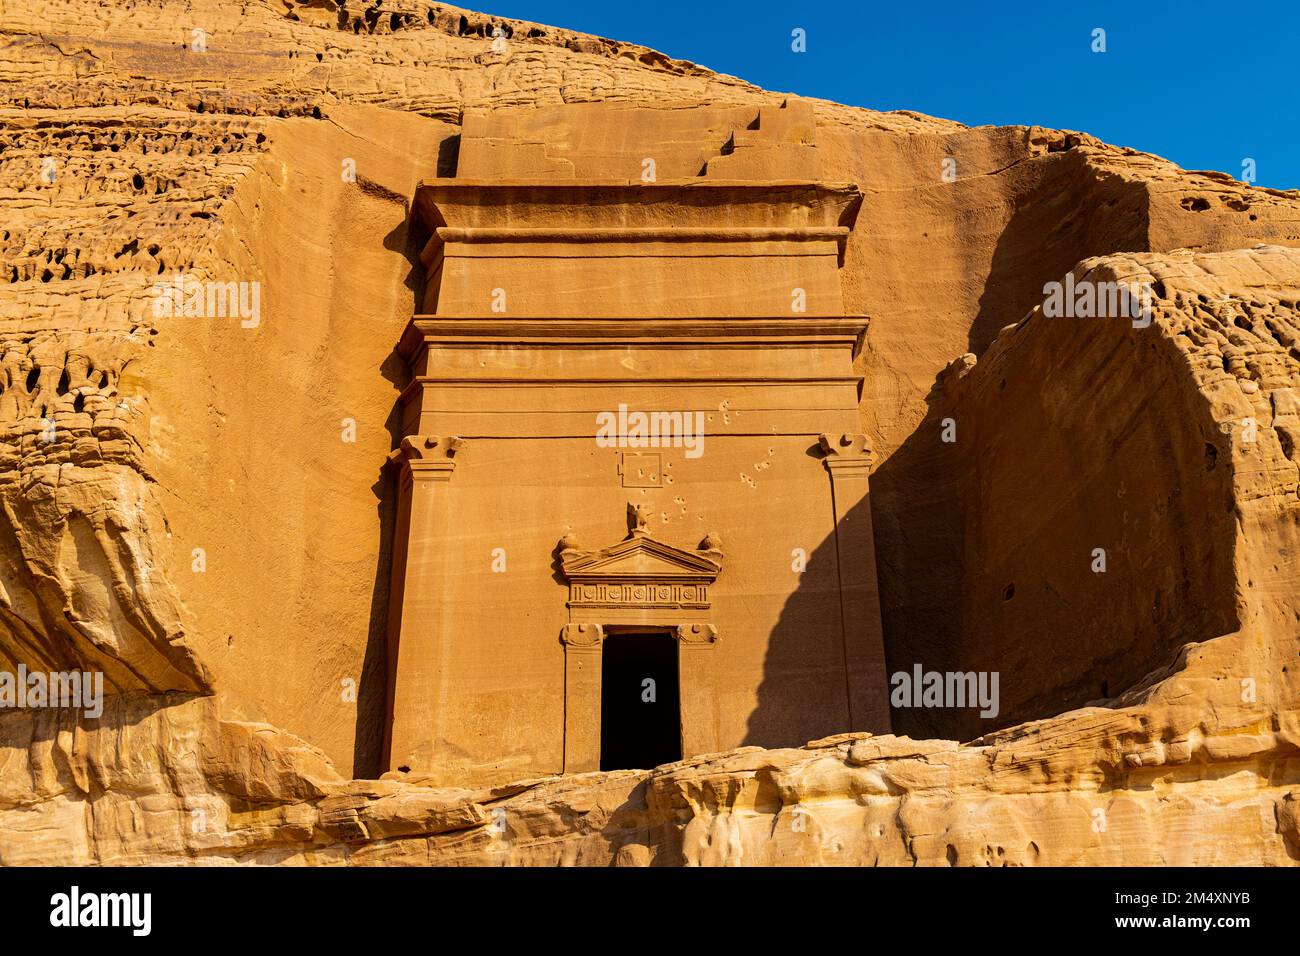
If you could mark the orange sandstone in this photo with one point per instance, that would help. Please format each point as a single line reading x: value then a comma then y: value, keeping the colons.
x: 206, y: 520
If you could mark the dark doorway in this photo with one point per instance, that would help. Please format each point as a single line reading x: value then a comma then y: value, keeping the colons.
x: 640, y: 713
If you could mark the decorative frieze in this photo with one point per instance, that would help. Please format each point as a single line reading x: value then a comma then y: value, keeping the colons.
x: 639, y: 594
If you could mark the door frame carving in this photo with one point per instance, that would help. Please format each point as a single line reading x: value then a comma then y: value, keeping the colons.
x: 637, y: 583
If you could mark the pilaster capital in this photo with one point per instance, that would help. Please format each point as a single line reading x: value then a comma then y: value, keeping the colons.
x: 426, y: 456
x: 582, y: 635
x: 846, y: 455
x: 697, y: 634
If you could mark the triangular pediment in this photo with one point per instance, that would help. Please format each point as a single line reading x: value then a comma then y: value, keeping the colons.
x: 640, y: 557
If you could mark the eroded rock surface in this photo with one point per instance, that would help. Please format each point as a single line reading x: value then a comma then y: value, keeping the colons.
x: 133, y: 149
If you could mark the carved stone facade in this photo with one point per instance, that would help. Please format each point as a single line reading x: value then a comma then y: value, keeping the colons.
x: 672, y: 353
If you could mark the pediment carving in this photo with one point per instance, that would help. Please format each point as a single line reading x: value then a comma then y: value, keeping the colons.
x: 640, y: 571
x: 640, y: 558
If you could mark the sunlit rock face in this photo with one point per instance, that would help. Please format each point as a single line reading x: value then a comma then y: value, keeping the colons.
x: 196, y: 503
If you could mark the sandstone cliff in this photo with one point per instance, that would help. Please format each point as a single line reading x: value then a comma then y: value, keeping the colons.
x: 181, y: 512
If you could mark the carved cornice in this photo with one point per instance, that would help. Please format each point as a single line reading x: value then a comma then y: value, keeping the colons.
x: 846, y: 330
x: 546, y: 205
x: 573, y: 234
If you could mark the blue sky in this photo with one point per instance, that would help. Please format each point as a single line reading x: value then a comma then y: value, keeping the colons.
x: 1206, y: 85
